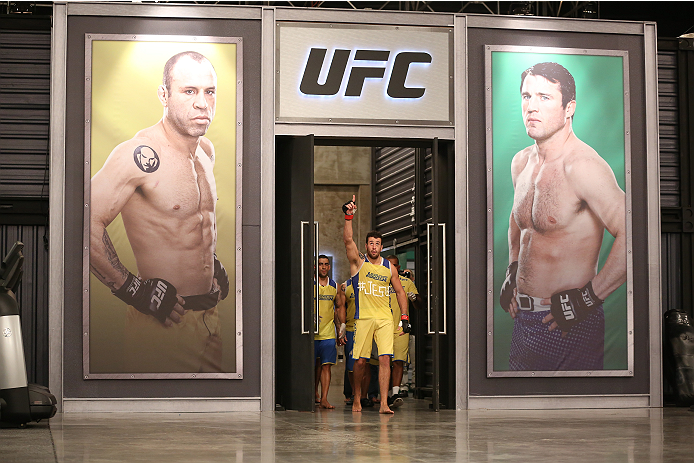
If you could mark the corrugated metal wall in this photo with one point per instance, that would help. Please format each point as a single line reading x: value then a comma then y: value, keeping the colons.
x: 394, y: 190
x: 25, y: 50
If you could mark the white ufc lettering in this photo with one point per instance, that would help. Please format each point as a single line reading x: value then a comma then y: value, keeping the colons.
x: 159, y: 293
x: 566, y: 307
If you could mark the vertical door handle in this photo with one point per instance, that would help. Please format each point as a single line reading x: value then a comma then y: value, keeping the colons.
x: 429, y: 330
x: 315, y: 256
x: 443, y: 275
x: 303, y: 283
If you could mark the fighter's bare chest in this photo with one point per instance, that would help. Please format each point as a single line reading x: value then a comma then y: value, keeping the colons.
x: 183, y: 185
x: 543, y: 199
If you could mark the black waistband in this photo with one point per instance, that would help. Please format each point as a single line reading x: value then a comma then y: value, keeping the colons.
x: 201, y: 301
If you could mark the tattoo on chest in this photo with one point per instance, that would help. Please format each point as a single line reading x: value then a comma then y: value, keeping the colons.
x: 146, y: 159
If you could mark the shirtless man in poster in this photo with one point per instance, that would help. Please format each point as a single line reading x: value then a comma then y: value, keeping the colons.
x: 162, y: 183
x: 565, y: 196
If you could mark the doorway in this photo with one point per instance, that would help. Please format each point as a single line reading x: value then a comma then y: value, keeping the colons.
x: 403, y: 189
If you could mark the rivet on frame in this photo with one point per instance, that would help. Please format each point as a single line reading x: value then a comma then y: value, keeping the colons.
x: 88, y: 78
x: 86, y: 376
x: 238, y: 249
x: 86, y: 334
x: 89, y: 36
x: 627, y: 132
x: 488, y: 89
x: 397, y: 122
x: 239, y: 376
x: 489, y: 210
x: 489, y: 170
x: 630, y: 373
x: 86, y: 290
x: 628, y: 172
x: 239, y: 291
x: 629, y: 251
x: 239, y: 164
x: 193, y: 375
x: 239, y: 207
x: 87, y: 121
x: 239, y: 333
x: 240, y: 39
x: 330, y: 120
x: 85, y: 248
x: 239, y: 82
x: 490, y: 374
x: 239, y: 123
x: 489, y: 333
x: 132, y: 376
x: 490, y: 291
x: 532, y: 374
x: 489, y: 251
x: 86, y: 205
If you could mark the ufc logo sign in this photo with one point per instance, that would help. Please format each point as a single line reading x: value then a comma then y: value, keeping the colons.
x: 566, y: 307
x: 158, y: 294
x: 358, y: 74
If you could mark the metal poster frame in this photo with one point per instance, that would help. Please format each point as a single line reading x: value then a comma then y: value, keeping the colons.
x: 237, y: 204
x: 492, y: 291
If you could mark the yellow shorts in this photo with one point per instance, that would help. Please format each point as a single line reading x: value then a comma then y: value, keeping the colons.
x: 401, y: 346
x: 366, y: 331
x: 192, y: 346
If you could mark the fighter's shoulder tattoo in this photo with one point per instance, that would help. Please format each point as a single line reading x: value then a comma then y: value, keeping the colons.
x: 362, y: 256
x: 146, y: 159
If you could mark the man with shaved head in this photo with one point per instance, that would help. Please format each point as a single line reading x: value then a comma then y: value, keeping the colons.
x: 162, y: 184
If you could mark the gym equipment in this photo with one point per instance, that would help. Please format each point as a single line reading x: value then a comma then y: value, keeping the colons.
x: 20, y: 402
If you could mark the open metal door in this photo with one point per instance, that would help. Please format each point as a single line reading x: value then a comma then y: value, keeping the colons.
x: 435, y: 263
x: 296, y: 241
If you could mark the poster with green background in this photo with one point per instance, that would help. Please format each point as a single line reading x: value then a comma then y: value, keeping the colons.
x: 599, y: 120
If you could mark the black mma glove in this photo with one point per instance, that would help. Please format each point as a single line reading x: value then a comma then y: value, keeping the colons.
x: 155, y: 297
x: 346, y: 208
x: 574, y: 305
x: 220, y: 274
x: 405, y: 323
x: 506, y: 293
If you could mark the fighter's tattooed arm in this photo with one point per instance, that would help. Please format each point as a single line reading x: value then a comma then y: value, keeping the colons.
x: 115, y: 262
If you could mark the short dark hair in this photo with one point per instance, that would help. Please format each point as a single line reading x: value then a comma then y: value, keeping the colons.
x: 168, y: 67
x: 393, y: 256
x: 374, y: 234
x: 323, y: 256
x: 555, y: 73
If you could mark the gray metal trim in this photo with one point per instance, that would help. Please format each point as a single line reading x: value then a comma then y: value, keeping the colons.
x: 56, y: 269
x: 267, y: 214
x: 555, y: 24
x: 556, y: 402
x: 491, y: 293
x: 461, y: 218
x: 162, y: 10
x: 365, y: 131
x: 654, y: 232
x: 364, y: 16
x: 89, y: 38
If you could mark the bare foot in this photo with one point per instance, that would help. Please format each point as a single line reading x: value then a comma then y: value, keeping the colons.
x: 356, y: 407
x: 325, y: 404
x: 386, y: 410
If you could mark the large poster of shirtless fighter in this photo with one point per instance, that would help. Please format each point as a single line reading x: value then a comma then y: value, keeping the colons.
x: 162, y: 185
x: 558, y: 156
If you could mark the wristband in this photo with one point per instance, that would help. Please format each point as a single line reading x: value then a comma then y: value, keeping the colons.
x: 404, y: 317
x: 349, y: 217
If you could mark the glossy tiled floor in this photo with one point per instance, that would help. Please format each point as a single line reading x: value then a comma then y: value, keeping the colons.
x: 413, y: 434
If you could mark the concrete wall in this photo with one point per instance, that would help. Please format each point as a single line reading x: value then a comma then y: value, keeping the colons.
x: 339, y: 173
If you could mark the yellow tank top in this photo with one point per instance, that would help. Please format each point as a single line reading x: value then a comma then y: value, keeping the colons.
x: 350, y: 306
x: 372, y: 295
x: 409, y: 287
x: 326, y: 311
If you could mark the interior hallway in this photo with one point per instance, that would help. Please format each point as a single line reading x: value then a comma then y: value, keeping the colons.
x: 413, y: 434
